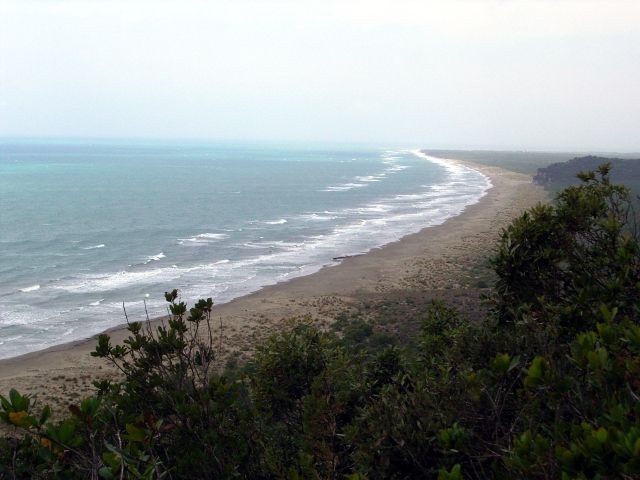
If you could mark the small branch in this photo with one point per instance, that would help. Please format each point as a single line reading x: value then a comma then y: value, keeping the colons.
x: 125, y: 313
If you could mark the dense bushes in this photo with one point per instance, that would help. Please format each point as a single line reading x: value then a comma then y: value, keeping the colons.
x: 577, y: 254
x: 548, y: 386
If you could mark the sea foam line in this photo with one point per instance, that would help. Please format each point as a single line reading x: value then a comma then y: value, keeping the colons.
x: 344, y: 187
x: 399, y: 212
x: 152, y: 258
x: 203, y: 238
x: 454, y: 167
x: 32, y: 288
x: 280, y: 221
x: 93, y: 247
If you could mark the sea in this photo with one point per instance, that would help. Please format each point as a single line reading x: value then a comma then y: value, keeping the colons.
x: 87, y: 226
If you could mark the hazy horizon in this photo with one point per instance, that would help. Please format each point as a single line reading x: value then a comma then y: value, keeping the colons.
x: 493, y: 75
x: 284, y: 143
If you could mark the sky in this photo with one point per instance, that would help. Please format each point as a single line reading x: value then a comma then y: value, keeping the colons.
x: 526, y: 75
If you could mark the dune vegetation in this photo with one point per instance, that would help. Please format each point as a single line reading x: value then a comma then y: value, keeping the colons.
x: 547, y: 385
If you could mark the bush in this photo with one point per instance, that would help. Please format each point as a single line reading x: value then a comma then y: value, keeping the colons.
x: 575, y: 255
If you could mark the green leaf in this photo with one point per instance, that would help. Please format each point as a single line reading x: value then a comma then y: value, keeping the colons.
x: 454, y: 474
x: 608, y: 315
x: 113, y: 459
x: 515, y: 361
x: 44, y: 416
x: 89, y: 406
x: 135, y: 434
x: 602, y: 435
x: 105, y: 472
x: 537, y: 372
x: 500, y: 363
x: 6, y: 405
x: 18, y: 402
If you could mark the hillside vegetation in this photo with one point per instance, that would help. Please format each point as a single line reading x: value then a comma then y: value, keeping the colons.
x: 546, y: 386
x: 559, y: 175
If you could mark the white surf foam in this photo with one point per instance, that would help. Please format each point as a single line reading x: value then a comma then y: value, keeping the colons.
x: 456, y: 170
x: 93, y: 247
x: 203, y: 238
x: 253, y: 246
x: 343, y: 187
x: 397, y: 168
x: 371, y: 178
x: 112, y: 281
x: 32, y: 288
x: 153, y: 258
x: 371, y: 226
x: 317, y: 217
x: 280, y: 221
x: 389, y: 158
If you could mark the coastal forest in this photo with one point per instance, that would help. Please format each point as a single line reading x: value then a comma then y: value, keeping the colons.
x: 559, y: 175
x: 545, y: 386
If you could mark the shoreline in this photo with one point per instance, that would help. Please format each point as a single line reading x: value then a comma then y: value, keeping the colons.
x: 445, y: 163
x: 385, y: 218
x: 429, y: 259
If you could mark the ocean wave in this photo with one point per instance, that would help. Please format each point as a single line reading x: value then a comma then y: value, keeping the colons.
x: 253, y: 246
x: 343, y: 187
x: 367, y: 226
x: 385, y: 221
x: 456, y: 171
x: 396, y: 168
x: 10, y: 340
x: 203, y: 238
x: 280, y: 221
x: 275, y: 244
x: 32, y: 288
x: 371, y: 178
x: 211, y: 236
x: 388, y: 158
x: 298, y: 258
x: 414, y: 196
x: 369, y: 209
x: 106, y: 282
x: 317, y: 217
x: 93, y: 247
x: 112, y: 281
x: 152, y: 258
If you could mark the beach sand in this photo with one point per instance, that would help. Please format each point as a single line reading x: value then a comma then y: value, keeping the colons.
x: 443, y: 261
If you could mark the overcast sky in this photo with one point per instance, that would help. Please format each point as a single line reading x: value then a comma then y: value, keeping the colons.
x: 551, y: 75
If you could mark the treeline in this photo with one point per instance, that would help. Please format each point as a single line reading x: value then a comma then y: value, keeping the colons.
x: 547, y: 386
x: 564, y: 173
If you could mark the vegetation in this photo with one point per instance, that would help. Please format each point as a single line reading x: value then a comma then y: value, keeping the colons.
x: 547, y: 386
x: 557, y: 176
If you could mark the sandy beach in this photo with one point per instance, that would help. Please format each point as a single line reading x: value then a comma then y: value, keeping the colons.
x: 436, y: 261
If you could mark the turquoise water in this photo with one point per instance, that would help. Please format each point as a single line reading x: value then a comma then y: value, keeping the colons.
x: 85, y: 227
